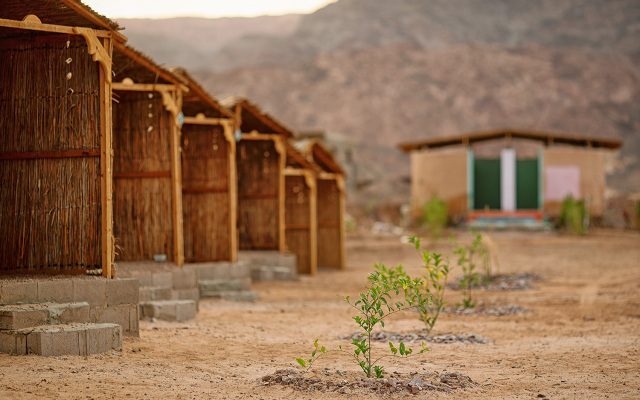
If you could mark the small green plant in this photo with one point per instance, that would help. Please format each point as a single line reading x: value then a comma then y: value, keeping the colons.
x: 374, y: 306
x: 572, y: 215
x: 467, y: 259
x: 434, y: 284
x: 435, y: 215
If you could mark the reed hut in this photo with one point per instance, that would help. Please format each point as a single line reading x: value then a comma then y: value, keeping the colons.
x: 260, y: 161
x: 209, y: 187
x: 55, y: 138
x: 331, y: 205
x: 147, y: 176
x: 509, y: 174
x: 300, y: 210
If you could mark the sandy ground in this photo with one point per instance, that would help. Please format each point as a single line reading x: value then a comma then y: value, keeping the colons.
x: 581, y: 339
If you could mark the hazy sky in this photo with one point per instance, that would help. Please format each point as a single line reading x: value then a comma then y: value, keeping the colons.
x: 202, y: 8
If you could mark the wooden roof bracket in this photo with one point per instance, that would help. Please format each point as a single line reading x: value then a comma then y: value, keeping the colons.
x: 96, y: 49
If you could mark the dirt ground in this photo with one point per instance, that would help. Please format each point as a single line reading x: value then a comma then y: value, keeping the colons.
x: 580, y: 340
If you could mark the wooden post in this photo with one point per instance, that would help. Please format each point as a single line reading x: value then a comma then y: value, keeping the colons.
x: 343, y: 228
x: 106, y: 167
x: 176, y: 176
x: 229, y: 135
x: 313, y: 220
x: 282, y: 151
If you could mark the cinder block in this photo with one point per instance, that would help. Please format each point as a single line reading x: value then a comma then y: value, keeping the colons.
x: 162, y: 279
x: 19, y: 317
x: 56, y: 291
x: 19, y: 292
x: 103, y: 337
x: 93, y: 291
x: 244, y: 295
x: 14, y: 343
x: 120, y: 315
x: 134, y: 323
x: 190, y: 294
x: 153, y: 293
x: 184, y: 279
x: 212, y: 288
x: 145, y: 278
x: 69, y: 312
x: 54, y: 341
x: 122, y: 291
x: 169, y: 310
x: 262, y: 274
x: 241, y: 269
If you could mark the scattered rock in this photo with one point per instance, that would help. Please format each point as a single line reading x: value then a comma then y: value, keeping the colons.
x: 490, y: 311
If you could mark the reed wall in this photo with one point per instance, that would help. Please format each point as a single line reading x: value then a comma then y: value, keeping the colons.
x: 142, y: 213
x: 330, y: 221
x: 205, y: 194
x: 50, y: 204
x: 258, y: 165
x: 298, y: 221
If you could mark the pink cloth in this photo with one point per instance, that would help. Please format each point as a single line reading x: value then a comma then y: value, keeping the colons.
x: 561, y: 181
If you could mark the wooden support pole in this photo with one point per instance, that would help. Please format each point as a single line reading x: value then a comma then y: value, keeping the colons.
x: 228, y: 128
x: 343, y: 227
x: 106, y: 167
x: 313, y: 221
x: 279, y: 145
x: 173, y: 103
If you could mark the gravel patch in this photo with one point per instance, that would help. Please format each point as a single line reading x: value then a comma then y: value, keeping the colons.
x: 471, y: 338
x: 488, y: 311
x: 499, y: 282
x: 353, y: 383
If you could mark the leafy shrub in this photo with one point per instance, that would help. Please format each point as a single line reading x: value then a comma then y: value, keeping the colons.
x: 435, y: 215
x: 572, y: 215
x: 379, y: 301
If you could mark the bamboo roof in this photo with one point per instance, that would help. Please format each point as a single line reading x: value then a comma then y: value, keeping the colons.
x: 547, y: 137
x: 252, y: 118
x: 131, y: 63
x: 197, y: 100
x: 57, y: 12
x: 321, y: 156
x: 296, y: 160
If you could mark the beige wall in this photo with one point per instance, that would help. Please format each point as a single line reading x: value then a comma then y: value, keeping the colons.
x: 442, y: 172
x: 591, y: 163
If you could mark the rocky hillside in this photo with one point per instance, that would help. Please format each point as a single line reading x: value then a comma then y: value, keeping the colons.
x: 384, y: 71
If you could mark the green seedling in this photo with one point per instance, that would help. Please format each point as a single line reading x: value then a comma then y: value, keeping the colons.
x: 381, y: 299
x: 467, y: 258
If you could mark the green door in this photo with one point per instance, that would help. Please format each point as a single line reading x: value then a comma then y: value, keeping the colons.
x: 527, y: 184
x: 486, y: 184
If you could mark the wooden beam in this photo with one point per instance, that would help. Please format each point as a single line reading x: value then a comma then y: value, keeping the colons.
x: 310, y: 179
x: 343, y: 226
x: 206, y: 121
x: 298, y: 227
x: 33, y: 155
x: 229, y: 136
x: 106, y: 167
x: 34, y: 26
x: 143, y: 87
x: 96, y: 48
x: 205, y: 190
x: 258, y: 196
x: 142, y: 175
x: 94, y: 18
x: 260, y: 136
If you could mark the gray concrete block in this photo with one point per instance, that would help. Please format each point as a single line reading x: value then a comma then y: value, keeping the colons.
x: 163, y: 279
x: 211, y: 288
x: 14, y: 343
x: 262, y: 274
x: 153, y: 293
x: 134, y: 323
x: 244, y: 295
x: 122, y: 291
x: 145, y: 278
x: 19, y: 292
x: 93, y: 291
x: 69, y: 312
x: 169, y: 310
x: 103, y: 337
x: 184, y: 278
x: 190, y: 294
x: 241, y: 269
x: 56, y: 291
x: 120, y: 315
x: 54, y: 341
x: 22, y: 316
